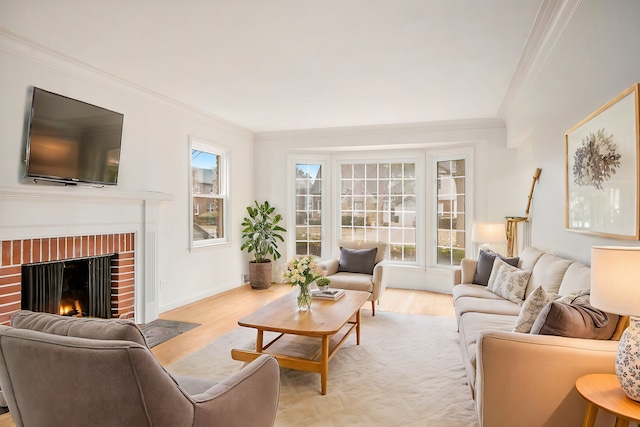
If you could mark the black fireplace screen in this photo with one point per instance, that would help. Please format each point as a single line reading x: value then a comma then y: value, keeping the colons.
x: 79, y: 287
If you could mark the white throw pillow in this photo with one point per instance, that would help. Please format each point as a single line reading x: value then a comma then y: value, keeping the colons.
x: 510, y: 282
x: 497, y: 264
x: 531, y: 308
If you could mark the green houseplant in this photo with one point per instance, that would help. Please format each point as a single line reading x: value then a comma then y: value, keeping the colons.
x: 261, y: 233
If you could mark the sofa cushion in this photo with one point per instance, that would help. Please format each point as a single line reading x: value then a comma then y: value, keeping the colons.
x: 79, y: 327
x: 485, y: 265
x: 577, y: 277
x: 357, y: 260
x: 548, y: 273
x: 485, y: 305
x: 531, y: 308
x: 471, y: 326
x: 577, y: 319
x: 528, y: 258
x: 470, y: 290
x: 352, y: 281
x: 510, y: 282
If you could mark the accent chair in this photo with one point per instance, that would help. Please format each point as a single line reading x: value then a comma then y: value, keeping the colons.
x: 52, y: 373
x: 359, y: 267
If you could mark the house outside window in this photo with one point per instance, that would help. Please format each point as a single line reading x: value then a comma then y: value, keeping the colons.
x: 378, y: 203
x: 451, y: 218
x: 208, y: 194
x: 308, y: 208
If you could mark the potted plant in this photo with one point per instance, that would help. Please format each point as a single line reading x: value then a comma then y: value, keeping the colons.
x: 261, y: 233
x: 323, y: 283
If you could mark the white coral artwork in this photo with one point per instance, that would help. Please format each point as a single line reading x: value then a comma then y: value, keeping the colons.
x: 596, y: 160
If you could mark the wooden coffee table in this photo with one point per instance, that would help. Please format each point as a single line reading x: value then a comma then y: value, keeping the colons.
x: 306, y: 340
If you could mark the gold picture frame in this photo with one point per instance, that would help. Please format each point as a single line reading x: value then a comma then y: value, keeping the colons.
x: 602, y: 157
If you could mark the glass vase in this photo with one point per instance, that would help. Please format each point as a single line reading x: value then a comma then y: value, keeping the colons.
x: 304, y: 298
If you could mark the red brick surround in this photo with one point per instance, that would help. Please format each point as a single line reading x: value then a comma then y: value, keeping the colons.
x: 18, y: 252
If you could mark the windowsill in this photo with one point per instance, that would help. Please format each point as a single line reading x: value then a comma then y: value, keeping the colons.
x: 204, y: 246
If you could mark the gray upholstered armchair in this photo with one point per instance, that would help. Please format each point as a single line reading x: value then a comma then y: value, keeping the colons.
x: 356, y: 269
x: 53, y: 374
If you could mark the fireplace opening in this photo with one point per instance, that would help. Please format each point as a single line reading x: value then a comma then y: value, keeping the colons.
x: 76, y: 287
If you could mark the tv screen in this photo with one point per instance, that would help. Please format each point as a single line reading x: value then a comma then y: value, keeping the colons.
x: 71, y: 141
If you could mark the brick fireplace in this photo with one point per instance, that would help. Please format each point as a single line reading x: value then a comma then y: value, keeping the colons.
x: 15, y: 253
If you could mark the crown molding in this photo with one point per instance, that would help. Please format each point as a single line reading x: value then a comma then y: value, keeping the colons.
x: 551, y: 22
x: 387, y: 129
x: 30, y: 50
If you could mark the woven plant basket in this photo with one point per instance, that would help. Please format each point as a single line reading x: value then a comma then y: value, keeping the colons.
x: 260, y: 275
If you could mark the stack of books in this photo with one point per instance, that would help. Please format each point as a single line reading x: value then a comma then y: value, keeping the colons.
x: 330, y: 294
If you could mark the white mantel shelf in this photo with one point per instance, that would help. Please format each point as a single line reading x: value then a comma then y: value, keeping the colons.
x: 37, y: 191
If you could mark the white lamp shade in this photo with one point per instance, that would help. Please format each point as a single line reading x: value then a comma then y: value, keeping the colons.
x: 488, y: 232
x: 615, y: 279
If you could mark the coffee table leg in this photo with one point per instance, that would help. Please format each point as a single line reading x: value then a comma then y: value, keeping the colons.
x: 324, y: 364
x: 358, y: 327
x: 259, y: 341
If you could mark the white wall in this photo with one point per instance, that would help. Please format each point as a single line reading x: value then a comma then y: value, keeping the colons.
x: 485, y: 139
x: 597, y: 57
x: 154, y: 165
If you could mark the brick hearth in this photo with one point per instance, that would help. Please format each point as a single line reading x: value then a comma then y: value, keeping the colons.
x: 18, y: 252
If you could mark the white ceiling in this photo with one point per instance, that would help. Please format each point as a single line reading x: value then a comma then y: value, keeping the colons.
x: 296, y: 64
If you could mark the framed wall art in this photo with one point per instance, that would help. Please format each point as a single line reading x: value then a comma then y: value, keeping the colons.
x: 602, y: 170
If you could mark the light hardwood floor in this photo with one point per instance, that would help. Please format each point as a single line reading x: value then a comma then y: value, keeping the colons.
x: 219, y: 314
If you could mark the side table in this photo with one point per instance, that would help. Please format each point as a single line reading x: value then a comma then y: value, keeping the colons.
x: 603, y: 391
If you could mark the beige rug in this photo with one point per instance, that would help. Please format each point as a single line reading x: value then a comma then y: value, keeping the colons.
x: 406, y: 372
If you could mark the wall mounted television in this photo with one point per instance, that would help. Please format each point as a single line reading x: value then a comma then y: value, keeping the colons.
x: 72, y: 142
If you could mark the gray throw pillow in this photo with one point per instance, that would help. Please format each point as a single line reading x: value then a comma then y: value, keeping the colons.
x: 578, y: 319
x: 357, y: 260
x: 485, y: 265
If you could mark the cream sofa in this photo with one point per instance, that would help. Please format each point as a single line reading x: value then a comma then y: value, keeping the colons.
x: 520, y: 379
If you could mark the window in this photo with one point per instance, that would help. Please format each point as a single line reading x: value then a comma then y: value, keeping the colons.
x: 208, y: 194
x: 451, y: 201
x: 378, y: 203
x: 308, y: 209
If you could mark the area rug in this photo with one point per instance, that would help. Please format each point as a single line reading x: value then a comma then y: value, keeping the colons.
x: 161, y: 330
x: 407, y: 372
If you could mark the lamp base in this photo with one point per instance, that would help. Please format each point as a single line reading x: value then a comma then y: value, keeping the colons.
x: 628, y: 360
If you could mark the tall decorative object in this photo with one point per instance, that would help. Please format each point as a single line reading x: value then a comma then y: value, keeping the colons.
x: 513, y: 221
x: 615, y: 279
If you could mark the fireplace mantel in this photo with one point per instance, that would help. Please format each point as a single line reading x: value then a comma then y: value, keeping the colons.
x: 48, y: 190
x: 45, y: 211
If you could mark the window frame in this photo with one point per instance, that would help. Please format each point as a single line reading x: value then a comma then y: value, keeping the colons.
x: 325, y: 201
x: 384, y: 157
x: 223, y: 194
x: 433, y: 157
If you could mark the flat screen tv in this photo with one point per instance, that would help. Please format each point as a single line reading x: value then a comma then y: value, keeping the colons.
x: 71, y: 141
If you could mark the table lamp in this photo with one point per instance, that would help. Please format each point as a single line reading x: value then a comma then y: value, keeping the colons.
x: 615, y: 288
x: 486, y: 233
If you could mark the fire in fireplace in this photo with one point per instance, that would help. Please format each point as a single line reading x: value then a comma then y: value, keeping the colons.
x: 76, y: 287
